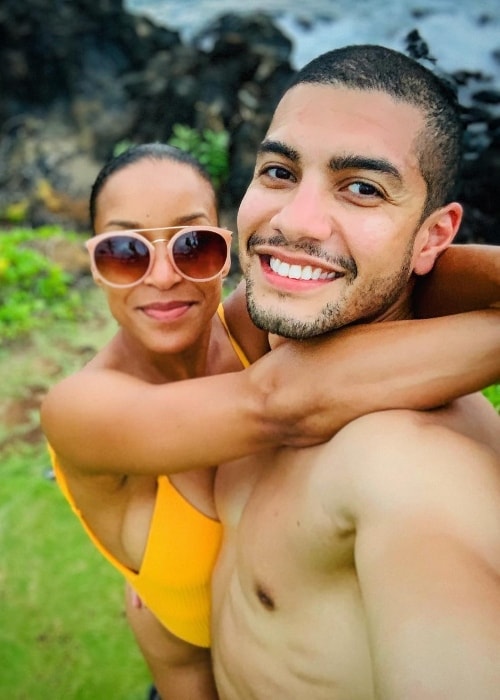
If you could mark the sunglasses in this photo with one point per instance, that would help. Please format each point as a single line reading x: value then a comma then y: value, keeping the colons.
x: 125, y: 258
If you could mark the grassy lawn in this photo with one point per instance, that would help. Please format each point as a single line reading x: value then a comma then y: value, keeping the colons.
x: 62, y: 627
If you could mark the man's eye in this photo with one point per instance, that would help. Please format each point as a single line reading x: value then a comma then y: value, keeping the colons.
x: 278, y: 173
x: 364, y: 189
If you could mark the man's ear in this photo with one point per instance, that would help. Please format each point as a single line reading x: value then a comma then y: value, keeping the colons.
x: 435, y: 235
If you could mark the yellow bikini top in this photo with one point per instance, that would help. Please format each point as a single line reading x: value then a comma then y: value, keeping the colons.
x: 236, y: 347
x: 182, y: 547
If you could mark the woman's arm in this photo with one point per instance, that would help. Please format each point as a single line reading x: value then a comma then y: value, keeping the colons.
x: 321, y: 384
x: 301, y: 393
x: 464, y: 278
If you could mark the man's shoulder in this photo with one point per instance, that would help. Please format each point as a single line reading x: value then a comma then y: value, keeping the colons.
x: 383, y: 434
x: 404, y: 460
x: 469, y: 418
x: 371, y: 423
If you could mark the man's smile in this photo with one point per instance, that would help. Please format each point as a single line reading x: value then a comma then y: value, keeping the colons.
x: 300, y: 272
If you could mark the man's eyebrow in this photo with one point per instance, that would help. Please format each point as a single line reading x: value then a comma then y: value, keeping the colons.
x: 280, y: 148
x: 354, y: 162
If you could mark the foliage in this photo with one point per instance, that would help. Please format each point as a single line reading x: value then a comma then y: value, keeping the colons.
x: 122, y: 146
x: 211, y: 148
x: 32, y: 287
x: 492, y: 393
x: 15, y: 212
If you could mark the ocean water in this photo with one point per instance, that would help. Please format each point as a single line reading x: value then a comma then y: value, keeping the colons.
x: 462, y: 34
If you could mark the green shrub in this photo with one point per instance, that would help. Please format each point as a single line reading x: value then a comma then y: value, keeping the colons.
x: 15, y: 212
x: 121, y: 147
x: 492, y: 393
x: 32, y: 287
x: 211, y: 148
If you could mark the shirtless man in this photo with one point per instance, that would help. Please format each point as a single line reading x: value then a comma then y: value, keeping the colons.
x: 369, y: 566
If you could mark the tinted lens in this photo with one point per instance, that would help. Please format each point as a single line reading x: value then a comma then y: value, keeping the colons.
x: 200, y: 254
x: 121, y: 259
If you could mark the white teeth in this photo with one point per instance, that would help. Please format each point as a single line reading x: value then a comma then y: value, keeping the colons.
x: 283, y: 269
x: 297, y: 272
x: 307, y: 272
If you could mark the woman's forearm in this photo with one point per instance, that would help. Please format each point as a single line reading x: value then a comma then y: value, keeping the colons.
x: 300, y: 393
x: 464, y: 278
x: 318, y: 386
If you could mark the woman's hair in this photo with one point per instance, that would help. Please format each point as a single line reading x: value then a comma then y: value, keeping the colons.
x: 151, y: 151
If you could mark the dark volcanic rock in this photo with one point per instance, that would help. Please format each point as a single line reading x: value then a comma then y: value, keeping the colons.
x: 79, y: 76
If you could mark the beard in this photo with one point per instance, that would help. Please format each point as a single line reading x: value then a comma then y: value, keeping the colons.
x: 360, y: 303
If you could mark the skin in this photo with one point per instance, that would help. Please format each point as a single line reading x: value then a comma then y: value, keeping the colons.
x: 368, y: 566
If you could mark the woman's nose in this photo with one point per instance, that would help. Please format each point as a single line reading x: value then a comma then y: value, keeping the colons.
x: 162, y: 274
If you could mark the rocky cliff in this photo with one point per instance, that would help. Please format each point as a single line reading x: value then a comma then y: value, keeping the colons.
x: 79, y: 76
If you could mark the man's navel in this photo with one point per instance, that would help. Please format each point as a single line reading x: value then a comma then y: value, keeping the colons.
x: 264, y: 598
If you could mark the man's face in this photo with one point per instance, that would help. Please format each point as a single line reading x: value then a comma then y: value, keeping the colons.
x: 329, y: 223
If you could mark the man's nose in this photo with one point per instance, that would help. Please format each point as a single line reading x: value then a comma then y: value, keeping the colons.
x: 306, y: 212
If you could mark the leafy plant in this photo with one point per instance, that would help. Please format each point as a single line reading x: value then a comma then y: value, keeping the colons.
x: 492, y: 393
x: 32, y: 287
x: 211, y: 148
x: 122, y: 146
x: 15, y: 212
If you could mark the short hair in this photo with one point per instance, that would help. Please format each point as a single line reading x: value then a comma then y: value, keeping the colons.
x: 371, y: 67
x: 152, y: 151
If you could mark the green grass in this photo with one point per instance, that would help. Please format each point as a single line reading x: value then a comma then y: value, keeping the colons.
x: 63, y: 633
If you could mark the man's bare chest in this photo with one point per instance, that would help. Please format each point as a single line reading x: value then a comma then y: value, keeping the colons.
x: 284, y: 521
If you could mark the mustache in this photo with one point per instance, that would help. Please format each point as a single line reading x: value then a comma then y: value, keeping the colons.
x: 278, y: 240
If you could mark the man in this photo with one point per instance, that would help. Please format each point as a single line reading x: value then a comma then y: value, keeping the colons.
x: 369, y: 566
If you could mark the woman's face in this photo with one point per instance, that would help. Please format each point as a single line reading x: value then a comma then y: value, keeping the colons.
x: 165, y: 312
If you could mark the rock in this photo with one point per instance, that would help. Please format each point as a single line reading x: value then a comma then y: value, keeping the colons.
x: 95, y: 76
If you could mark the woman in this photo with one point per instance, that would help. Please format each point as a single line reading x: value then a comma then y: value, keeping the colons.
x: 135, y: 446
